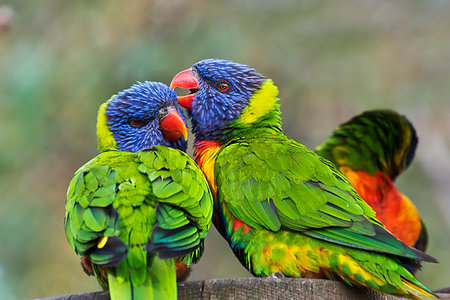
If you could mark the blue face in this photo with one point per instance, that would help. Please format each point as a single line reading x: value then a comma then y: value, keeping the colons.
x: 225, y: 88
x: 134, y: 116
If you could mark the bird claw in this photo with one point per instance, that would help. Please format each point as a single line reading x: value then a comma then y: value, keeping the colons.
x: 276, y: 275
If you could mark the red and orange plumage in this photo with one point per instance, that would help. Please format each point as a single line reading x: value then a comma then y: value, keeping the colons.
x: 393, y: 208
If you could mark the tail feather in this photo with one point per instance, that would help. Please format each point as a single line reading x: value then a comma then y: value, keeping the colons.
x: 123, y: 289
x: 144, y: 292
x: 417, y: 291
x: 159, y: 282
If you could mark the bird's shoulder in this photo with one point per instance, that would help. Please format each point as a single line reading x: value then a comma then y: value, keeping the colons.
x: 278, y: 153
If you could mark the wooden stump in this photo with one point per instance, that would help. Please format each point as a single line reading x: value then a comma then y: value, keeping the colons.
x: 261, y: 288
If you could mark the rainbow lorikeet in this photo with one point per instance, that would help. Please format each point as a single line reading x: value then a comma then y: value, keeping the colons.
x: 142, y: 202
x: 282, y: 208
x: 371, y: 150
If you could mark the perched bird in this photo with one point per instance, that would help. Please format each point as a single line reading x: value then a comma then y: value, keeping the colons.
x: 142, y: 202
x: 282, y: 208
x: 371, y: 150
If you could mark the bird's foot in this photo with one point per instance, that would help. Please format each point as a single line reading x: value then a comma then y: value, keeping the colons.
x: 276, y: 275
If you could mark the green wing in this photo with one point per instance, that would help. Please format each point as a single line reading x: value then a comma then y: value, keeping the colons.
x: 276, y: 183
x: 185, y: 203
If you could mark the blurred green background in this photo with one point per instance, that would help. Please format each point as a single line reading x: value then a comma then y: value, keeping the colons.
x: 331, y: 60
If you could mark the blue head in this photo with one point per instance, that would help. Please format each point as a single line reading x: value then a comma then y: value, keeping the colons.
x: 140, y: 117
x: 221, y: 90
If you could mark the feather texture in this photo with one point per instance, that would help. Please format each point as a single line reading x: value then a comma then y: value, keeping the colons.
x: 143, y: 211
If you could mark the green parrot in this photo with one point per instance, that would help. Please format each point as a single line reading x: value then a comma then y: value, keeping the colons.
x: 281, y: 207
x: 142, y: 203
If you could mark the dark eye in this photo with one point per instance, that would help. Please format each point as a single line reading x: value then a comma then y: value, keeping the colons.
x: 137, y: 123
x: 223, y: 86
x: 163, y: 111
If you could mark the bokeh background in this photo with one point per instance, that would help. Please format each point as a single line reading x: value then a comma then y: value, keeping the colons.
x: 331, y: 60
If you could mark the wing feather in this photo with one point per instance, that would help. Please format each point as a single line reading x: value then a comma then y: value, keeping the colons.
x: 278, y: 183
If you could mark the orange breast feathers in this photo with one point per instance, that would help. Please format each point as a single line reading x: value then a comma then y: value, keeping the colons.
x: 393, y: 209
x: 205, y: 154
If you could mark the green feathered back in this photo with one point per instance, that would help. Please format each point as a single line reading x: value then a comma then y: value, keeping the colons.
x: 377, y: 140
x: 153, y: 206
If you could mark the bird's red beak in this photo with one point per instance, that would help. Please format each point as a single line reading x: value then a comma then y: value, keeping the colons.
x: 173, y: 126
x: 185, y: 80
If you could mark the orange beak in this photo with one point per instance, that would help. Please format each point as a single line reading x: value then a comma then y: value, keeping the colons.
x: 185, y: 80
x: 173, y: 126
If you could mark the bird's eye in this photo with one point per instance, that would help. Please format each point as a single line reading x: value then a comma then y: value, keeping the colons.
x: 223, y: 86
x: 137, y: 123
x: 163, y: 111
